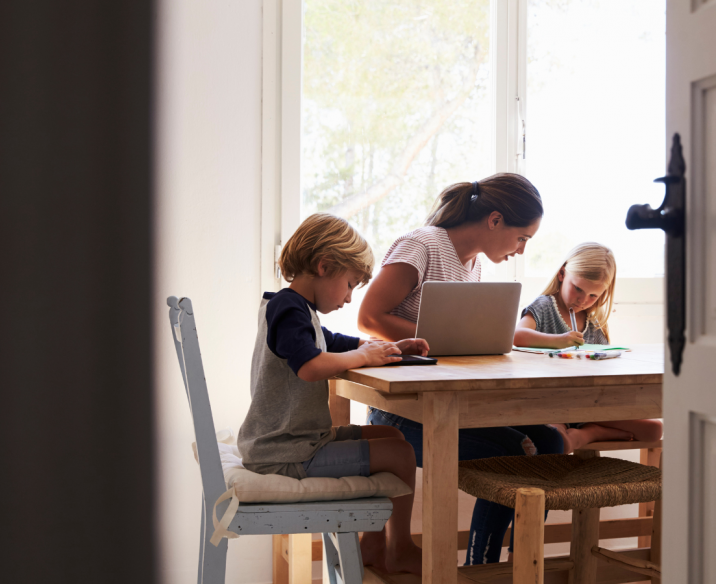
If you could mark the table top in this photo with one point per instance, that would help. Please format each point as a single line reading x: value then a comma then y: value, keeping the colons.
x: 644, y: 364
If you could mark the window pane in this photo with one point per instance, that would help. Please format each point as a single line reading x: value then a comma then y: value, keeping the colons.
x: 396, y: 106
x: 595, y: 133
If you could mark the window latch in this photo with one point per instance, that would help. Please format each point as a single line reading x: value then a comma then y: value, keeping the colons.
x: 276, y: 258
x: 521, y: 131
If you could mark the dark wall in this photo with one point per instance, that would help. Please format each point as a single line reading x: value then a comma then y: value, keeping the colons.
x: 75, y: 331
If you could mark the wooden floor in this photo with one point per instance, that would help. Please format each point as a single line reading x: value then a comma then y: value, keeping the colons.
x: 556, y: 572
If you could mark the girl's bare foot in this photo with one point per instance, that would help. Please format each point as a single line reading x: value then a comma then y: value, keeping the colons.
x: 407, y: 559
x: 372, y: 549
x: 576, y: 438
x: 593, y: 432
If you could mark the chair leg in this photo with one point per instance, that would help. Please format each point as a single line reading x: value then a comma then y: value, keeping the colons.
x: 331, y: 560
x: 200, y: 575
x: 350, y: 560
x: 529, y: 537
x: 212, y: 559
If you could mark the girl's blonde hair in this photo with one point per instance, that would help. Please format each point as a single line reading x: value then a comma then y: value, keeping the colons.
x: 596, y: 263
x: 323, y: 236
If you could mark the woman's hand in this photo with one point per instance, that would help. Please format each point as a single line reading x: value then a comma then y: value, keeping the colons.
x: 570, y: 339
x: 413, y: 347
x: 377, y: 353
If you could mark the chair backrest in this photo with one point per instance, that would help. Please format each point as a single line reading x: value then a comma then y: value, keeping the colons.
x: 186, y: 342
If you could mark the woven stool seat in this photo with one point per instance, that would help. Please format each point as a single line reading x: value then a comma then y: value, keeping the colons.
x: 569, y: 482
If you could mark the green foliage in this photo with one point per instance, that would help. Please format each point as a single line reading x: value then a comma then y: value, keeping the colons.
x: 374, y: 73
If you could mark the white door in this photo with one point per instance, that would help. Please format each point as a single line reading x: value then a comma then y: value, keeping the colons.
x: 689, y: 543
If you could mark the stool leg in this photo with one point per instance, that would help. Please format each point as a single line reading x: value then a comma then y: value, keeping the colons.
x: 649, y: 457
x: 529, y: 537
x: 656, y: 534
x: 656, y: 539
x: 585, y: 535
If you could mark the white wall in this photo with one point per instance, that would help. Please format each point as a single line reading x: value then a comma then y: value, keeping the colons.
x: 208, y: 218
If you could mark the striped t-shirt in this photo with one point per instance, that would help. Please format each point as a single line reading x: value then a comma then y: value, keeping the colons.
x: 430, y: 251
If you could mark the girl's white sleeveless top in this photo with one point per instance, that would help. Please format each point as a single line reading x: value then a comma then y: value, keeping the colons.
x: 430, y: 251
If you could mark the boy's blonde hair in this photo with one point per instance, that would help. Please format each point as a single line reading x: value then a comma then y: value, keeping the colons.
x: 325, y: 236
x: 596, y: 263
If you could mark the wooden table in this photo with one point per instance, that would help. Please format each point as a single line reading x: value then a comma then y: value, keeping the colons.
x: 497, y: 390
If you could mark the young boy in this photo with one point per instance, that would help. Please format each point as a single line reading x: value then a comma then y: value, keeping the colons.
x: 288, y: 427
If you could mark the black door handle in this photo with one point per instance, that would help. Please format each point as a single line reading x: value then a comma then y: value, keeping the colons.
x: 670, y: 217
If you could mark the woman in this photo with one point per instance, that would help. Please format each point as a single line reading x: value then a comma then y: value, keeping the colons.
x: 496, y: 216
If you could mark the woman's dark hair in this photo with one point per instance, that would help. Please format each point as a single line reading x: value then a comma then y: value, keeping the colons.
x: 510, y: 194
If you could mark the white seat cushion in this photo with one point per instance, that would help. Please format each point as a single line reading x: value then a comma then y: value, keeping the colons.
x: 251, y: 487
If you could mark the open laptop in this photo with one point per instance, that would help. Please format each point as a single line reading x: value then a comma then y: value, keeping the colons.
x: 468, y: 318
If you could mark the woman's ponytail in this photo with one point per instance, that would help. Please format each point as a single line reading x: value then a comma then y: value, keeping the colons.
x: 511, y: 195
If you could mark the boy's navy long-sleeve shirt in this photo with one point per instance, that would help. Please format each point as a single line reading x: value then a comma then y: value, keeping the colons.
x: 291, y: 334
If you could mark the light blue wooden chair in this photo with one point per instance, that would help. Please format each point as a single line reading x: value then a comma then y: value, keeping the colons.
x: 338, y: 521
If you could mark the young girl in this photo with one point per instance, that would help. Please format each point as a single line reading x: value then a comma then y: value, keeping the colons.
x: 585, y: 283
x: 288, y: 427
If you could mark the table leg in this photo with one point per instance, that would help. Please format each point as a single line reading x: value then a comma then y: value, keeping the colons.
x: 340, y: 407
x: 440, y: 457
x: 280, y: 562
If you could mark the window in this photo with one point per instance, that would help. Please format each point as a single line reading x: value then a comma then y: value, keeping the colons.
x: 595, y: 142
x: 595, y: 95
x: 396, y: 105
x: 378, y: 105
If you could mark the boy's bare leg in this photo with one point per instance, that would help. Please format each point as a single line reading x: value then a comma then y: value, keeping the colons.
x: 379, y: 431
x: 576, y: 438
x: 393, y: 549
x: 373, y: 543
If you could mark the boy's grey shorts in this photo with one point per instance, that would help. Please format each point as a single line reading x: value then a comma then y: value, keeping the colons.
x: 347, y: 456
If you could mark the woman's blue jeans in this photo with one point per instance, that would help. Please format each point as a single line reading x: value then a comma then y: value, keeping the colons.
x: 489, y: 520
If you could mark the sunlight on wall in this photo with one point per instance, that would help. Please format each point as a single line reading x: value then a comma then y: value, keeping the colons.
x: 208, y: 213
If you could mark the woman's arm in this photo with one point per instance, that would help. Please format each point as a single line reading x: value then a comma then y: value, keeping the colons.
x: 527, y: 336
x: 391, y: 286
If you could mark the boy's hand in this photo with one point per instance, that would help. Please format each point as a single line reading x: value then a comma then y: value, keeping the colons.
x: 571, y: 339
x: 414, y: 347
x: 377, y: 353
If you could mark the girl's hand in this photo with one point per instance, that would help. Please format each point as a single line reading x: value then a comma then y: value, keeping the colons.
x: 413, y: 347
x: 377, y: 353
x: 571, y: 339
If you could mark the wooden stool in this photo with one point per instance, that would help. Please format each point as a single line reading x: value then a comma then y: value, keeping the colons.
x: 583, y: 483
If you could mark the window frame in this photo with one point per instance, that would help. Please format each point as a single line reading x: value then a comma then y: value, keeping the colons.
x: 281, y: 115
x: 282, y: 71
